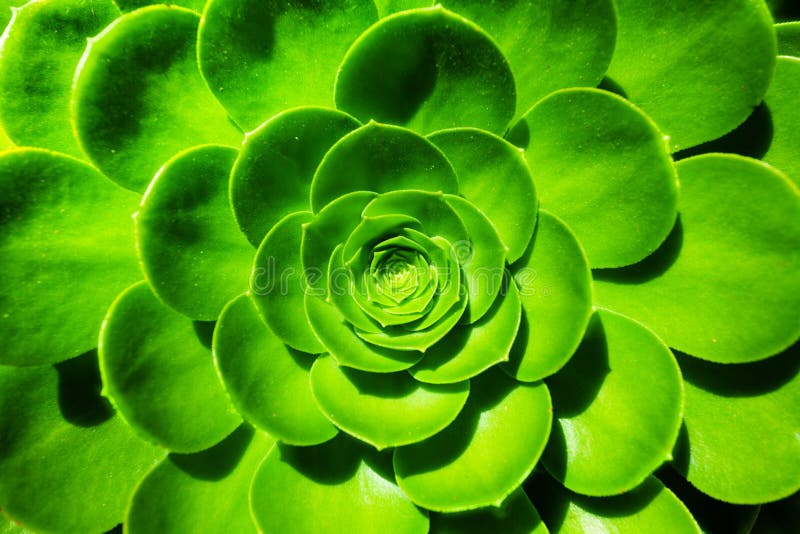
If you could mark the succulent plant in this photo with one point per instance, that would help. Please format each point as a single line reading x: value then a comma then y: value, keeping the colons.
x: 390, y: 266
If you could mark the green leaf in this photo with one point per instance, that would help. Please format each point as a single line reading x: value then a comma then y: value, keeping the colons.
x: 648, y: 508
x: 516, y: 516
x: 554, y: 283
x: 697, y: 68
x: 346, y: 347
x: 66, y: 251
x: 482, y: 160
x: 549, y: 44
x: 9, y: 526
x: 40, y: 50
x: 350, y: 489
x: 331, y: 226
x: 742, y: 426
x: 272, y: 176
x: 267, y: 381
x: 428, y: 69
x: 482, y: 258
x: 602, y: 166
x: 130, y: 5
x: 617, y: 408
x: 277, y: 284
x: 209, y: 489
x: 788, y: 34
x: 192, y: 252
x: 381, y: 158
x: 384, y: 410
x: 138, y: 97
x: 261, y: 57
x: 63, y: 446
x: 784, y: 114
x: 159, y: 373
x: 724, y: 287
x: 471, y: 349
x: 483, y: 456
x: 387, y: 7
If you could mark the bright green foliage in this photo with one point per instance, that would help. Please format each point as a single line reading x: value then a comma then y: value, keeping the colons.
x: 672, y: 58
x: 399, y: 266
x: 66, y: 249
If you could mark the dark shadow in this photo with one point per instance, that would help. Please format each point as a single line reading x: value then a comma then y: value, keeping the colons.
x: 331, y: 463
x: 520, y: 345
x: 487, y: 391
x: 519, y: 135
x: 652, y: 266
x: 525, y: 259
x: 220, y: 460
x: 741, y: 380
x: 713, y: 516
x: 785, y: 10
x: 577, y: 384
x: 680, y: 450
x: 779, y: 517
x: 610, y: 85
x: 547, y: 495
x: 204, y: 330
x: 79, y: 391
x: 115, y: 530
x: 302, y: 359
x: 752, y: 138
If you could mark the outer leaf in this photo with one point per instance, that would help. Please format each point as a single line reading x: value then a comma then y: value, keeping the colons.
x: 470, y: 349
x: 429, y: 69
x: 384, y: 410
x: 346, y: 347
x: 742, y: 425
x: 253, y: 53
x: 482, y: 161
x: 554, y: 283
x: 160, y: 375
x: 387, y: 7
x: 272, y: 176
x: 277, y: 283
x: 784, y: 115
x: 601, y: 165
x: 207, y: 490
x: 62, y: 444
x: 516, y: 516
x: 267, y: 381
x: 496, y: 440
x: 130, y: 5
x: 618, y: 407
x: 724, y: 287
x: 549, y: 44
x: 191, y: 249
x: 649, y: 508
x: 40, y: 51
x: 788, y: 34
x: 352, y: 492
x: 138, y: 97
x: 381, y: 158
x: 66, y: 249
x: 697, y: 68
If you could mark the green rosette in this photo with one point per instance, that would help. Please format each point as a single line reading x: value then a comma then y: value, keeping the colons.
x: 394, y: 266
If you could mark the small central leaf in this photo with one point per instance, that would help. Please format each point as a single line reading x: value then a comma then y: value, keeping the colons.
x: 396, y: 273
